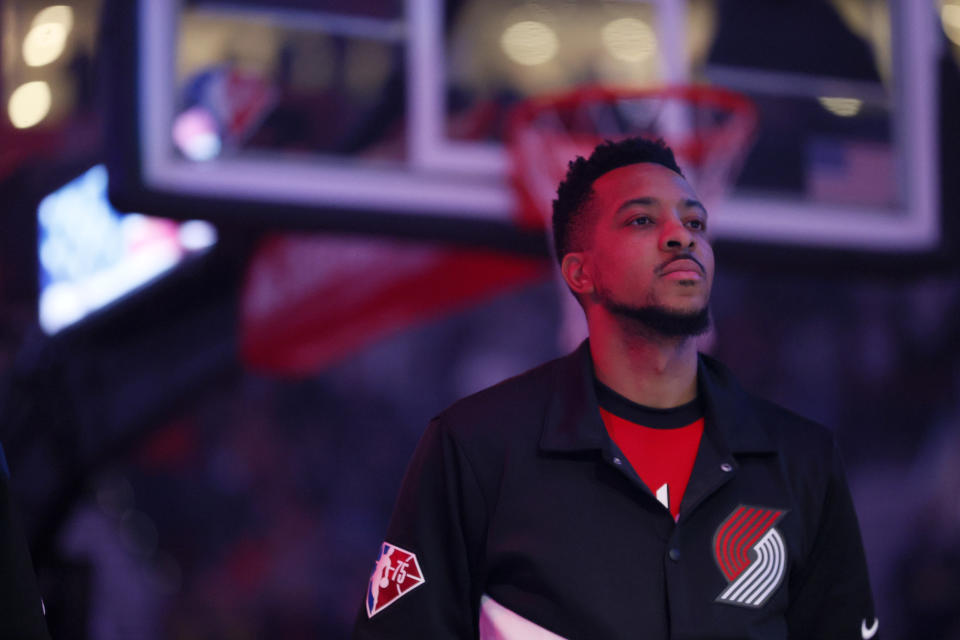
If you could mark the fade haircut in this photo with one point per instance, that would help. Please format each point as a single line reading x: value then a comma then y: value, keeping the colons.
x: 576, y: 190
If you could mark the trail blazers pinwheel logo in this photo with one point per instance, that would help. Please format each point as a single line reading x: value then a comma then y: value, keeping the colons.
x: 751, y: 554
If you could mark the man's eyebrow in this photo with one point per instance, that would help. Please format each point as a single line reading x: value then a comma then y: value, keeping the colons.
x: 691, y: 202
x: 646, y: 201
x: 651, y: 201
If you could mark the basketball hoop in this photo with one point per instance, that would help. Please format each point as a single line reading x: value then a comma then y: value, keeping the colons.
x: 709, y: 129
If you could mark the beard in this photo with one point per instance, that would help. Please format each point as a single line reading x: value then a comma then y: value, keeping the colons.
x: 660, y: 320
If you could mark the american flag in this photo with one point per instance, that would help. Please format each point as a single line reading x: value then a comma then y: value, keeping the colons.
x: 851, y: 172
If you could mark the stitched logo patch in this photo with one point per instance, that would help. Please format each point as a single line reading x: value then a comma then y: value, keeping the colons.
x: 396, y: 573
x: 751, y: 554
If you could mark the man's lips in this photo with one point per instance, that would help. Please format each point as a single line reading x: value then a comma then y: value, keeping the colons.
x: 686, y: 266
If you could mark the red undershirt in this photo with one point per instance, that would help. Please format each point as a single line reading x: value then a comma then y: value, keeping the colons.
x: 660, y: 444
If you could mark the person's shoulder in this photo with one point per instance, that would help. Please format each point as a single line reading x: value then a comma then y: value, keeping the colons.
x: 792, y: 434
x: 518, y: 399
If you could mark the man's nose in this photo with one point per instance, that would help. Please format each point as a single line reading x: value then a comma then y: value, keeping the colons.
x: 676, y: 236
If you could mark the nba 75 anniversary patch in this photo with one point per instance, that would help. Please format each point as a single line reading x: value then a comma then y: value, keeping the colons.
x: 396, y: 574
x: 751, y: 554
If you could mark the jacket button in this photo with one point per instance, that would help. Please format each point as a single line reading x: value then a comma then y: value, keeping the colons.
x: 726, y: 467
x: 674, y: 554
x: 617, y: 461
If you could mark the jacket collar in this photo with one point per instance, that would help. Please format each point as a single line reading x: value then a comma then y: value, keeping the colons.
x: 572, y: 420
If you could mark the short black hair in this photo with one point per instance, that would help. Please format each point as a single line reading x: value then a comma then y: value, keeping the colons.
x: 576, y: 189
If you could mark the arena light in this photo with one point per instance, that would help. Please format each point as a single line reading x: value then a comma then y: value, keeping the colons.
x: 29, y: 104
x: 90, y: 255
x: 196, y: 235
x: 195, y: 134
x: 629, y: 39
x: 59, y: 14
x: 843, y: 107
x: 44, y: 44
x: 530, y: 42
x: 950, y: 17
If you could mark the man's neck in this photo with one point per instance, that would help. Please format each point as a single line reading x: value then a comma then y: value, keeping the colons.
x: 646, y: 368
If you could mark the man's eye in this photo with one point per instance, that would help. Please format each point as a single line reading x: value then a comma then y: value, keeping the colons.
x: 641, y: 221
x: 697, y: 225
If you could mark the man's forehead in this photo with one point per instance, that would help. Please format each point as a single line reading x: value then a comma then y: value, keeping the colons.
x: 648, y: 177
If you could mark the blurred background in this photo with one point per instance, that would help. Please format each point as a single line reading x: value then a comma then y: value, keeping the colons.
x: 248, y: 249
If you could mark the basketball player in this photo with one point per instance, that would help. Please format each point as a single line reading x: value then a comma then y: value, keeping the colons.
x: 631, y: 489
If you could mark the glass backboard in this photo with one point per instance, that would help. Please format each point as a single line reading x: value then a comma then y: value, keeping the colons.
x: 390, y: 115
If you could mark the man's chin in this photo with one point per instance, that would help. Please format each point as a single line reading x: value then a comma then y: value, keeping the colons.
x: 663, y: 321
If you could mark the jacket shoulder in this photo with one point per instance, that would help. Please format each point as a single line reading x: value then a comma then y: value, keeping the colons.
x: 793, y: 435
x: 505, y: 406
x: 500, y: 423
x: 795, y: 432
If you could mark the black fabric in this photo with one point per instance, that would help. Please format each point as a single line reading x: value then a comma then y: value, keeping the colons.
x: 671, y: 418
x: 21, y: 610
x: 515, y: 493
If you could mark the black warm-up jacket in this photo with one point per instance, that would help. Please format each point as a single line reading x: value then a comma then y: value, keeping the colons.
x: 525, y: 519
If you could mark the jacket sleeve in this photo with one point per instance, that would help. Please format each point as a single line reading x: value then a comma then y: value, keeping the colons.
x: 21, y: 610
x: 831, y: 597
x: 437, y: 531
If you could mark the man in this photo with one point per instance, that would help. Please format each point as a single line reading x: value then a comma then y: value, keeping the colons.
x: 631, y: 489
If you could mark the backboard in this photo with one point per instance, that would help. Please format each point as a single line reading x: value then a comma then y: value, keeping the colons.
x: 388, y: 115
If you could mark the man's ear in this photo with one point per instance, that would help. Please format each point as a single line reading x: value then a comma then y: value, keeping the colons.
x: 575, y: 273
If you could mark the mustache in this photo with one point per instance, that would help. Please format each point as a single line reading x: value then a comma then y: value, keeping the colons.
x: 680, y: 256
